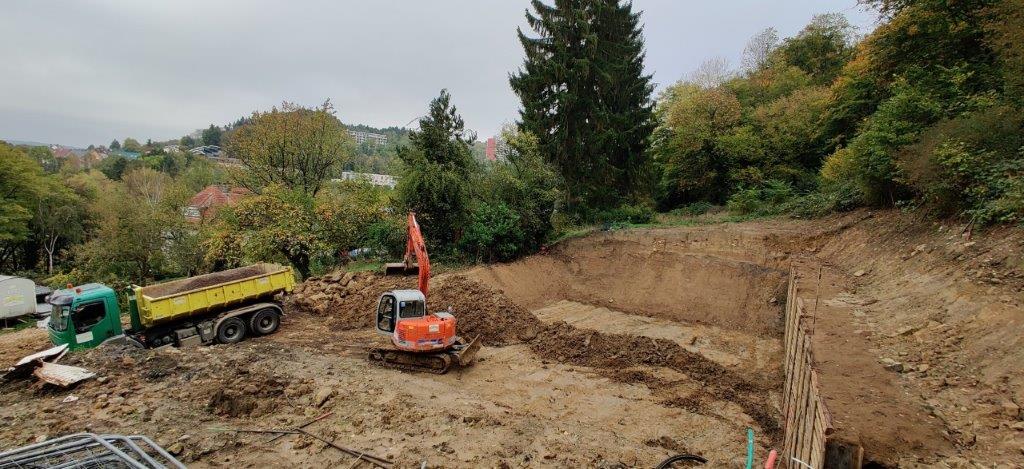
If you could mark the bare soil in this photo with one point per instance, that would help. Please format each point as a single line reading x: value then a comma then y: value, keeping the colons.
x: 207, y: 280
x: 613, y: 350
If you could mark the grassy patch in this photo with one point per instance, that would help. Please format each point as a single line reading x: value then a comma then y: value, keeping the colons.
x: 16, y: 325
x: 572, y: 234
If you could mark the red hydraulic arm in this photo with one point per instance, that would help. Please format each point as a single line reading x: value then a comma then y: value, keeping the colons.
x: 416, y: 246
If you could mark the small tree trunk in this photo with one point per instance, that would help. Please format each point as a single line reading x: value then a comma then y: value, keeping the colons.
x: 50, y: 247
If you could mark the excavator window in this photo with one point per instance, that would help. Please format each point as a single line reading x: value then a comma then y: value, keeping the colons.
x: 386, y: 314
x: 411, y: 309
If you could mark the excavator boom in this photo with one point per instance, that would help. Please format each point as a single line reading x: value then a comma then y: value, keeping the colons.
x: 416, y: 260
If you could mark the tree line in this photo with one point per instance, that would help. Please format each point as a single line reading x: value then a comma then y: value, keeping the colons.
x: 924, y: 111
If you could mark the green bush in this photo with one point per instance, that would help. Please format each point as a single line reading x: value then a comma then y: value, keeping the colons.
x: 770, y: 199
x: 826, y: 200
x: 897, y: 123
x: 694, y: 209
x: 386, y: 238
x: 635, y: 214
x: 989, y: 185
x: 971, y: 165
x: 494, y: 233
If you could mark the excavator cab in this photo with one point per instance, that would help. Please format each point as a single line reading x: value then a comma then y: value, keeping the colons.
x: 402, y: 314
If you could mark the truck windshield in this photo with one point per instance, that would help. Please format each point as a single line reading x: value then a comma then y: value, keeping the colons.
x: 59, y: 317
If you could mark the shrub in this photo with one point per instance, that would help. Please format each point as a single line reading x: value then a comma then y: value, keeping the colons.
x: 897, y: 123
x: 769, y: 199
x: 970, y: 165
x: 386, y: 238
x: 988, y: 184
x: 627, y: 213
x: 494, y: 233
x: 694, y: 209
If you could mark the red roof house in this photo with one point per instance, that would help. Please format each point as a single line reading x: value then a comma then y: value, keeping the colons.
x: 205, y: 203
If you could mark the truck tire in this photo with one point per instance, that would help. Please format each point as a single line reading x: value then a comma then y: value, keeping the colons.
x: 265, y: 321
x: 231, y: 330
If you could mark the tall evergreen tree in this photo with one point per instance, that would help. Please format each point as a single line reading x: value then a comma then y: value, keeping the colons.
x: 585, y: 97
x: 437, y: 166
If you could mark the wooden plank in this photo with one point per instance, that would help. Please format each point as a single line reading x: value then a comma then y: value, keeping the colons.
x: 826, y: 416
x: 790, y: 376
x: 808, y: 412
x: 795, y: 399
x: 818, y: 446
x: 800, y: 406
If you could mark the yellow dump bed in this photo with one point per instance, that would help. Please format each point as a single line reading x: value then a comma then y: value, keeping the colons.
x: 205, y: 293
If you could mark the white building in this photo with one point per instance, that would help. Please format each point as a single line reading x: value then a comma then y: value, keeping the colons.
x: 360, y: 137
x: 382, y: 180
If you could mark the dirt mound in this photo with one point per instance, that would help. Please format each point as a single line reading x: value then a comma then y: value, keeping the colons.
x: 243, y: 398
x: 203, y: 281
x: 615, y: 352
x: 485, y: 312
x: 348, y: 300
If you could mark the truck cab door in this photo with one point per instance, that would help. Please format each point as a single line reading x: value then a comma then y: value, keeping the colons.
x: 386, y: 314
x: 95, y: 321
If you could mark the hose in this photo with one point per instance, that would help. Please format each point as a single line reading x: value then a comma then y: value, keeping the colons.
x: 679, y: 458
x: 750, y: 448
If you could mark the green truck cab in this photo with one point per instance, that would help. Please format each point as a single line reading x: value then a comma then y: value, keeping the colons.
x: 221, y: 307
x: 84, y: 316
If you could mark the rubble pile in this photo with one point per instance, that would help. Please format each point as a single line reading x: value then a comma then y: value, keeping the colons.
x: 349, y: 299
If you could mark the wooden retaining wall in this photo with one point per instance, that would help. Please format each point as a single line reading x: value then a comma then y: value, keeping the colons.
x: 808, y: 424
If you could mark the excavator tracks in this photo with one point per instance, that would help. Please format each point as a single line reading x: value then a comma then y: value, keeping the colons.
x: 439, y: 363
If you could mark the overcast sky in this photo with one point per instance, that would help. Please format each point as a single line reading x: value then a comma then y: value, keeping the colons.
x: 81, y: 72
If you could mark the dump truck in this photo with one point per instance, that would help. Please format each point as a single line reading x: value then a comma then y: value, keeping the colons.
x: 222, y: 307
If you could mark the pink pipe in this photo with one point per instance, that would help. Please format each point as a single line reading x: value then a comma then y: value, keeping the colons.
x: 770, y: 462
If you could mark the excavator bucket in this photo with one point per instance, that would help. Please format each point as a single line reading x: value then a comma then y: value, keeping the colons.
x: 400, y: 268
x: 465, y: 353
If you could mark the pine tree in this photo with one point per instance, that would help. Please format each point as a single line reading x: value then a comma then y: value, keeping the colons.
x: 436, y: 171
x: 585, y: 97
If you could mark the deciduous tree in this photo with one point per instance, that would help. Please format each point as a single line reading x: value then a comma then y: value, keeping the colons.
x: 293, y: 146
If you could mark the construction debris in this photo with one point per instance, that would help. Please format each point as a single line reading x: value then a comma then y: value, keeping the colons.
x: 91, y: 450
x: 62, y: 375
x: 24, y: 367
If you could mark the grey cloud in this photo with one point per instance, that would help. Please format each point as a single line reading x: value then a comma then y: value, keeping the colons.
x: 91, y: 71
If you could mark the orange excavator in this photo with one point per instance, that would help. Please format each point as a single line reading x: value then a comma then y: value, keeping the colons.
x: 422, y: 341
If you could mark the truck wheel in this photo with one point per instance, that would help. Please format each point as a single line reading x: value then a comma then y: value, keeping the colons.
x: 231, y: 330
x: 265, y: 321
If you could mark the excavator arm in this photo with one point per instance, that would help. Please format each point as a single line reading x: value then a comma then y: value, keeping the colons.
x: 416, y: 259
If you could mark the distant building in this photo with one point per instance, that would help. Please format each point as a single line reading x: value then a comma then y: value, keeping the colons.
x: 171, y: 148
x: 497, y: 149
x: 361, y: 137
x: 197, y: 136
x: 205, y: 203
x: 131, y: 155
x: 93, y: 157
x: 206, y: 150
x: 382, y: 180
x: 61, y: 152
